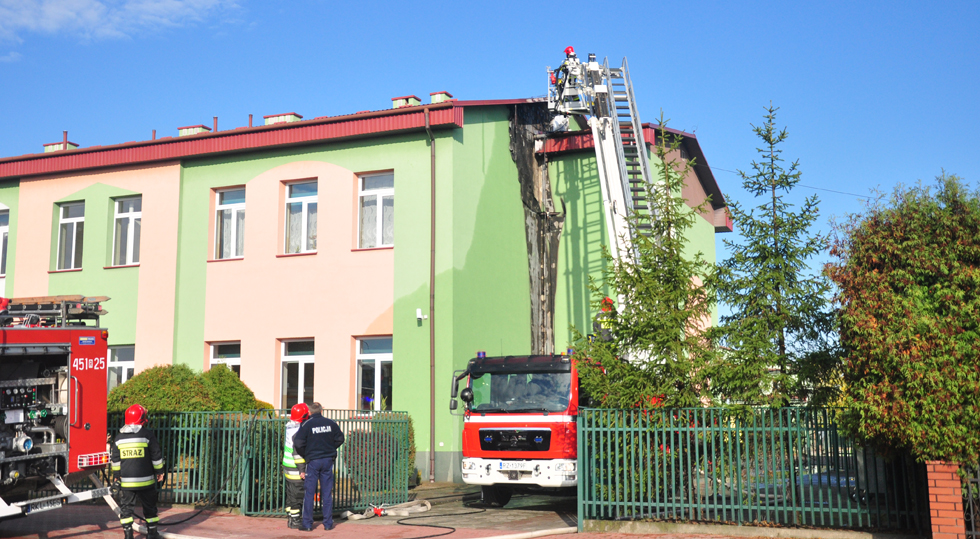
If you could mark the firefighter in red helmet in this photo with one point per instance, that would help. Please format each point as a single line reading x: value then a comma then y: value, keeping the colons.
x: 293, y: 465
x: 137, y: 464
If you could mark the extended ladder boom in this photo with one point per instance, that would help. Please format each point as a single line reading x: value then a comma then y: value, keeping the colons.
x: 606, y: 95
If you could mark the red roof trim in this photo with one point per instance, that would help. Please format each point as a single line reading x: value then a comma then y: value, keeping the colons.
x: 415, y: 97
x: 437, y: 93
x: 444, y: 115
x: 575, y: 141
x: 488, y: 102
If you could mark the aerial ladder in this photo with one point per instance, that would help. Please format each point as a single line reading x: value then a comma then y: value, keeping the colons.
x: 604, y: 95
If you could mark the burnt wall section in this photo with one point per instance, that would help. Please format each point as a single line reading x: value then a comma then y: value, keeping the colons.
x: 542, y: 224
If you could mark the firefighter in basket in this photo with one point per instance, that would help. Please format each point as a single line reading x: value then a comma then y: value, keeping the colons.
x: 293, y: 465
x: 137, y: 464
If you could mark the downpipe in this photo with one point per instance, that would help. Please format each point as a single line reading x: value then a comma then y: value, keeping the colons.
x: 432, y: 300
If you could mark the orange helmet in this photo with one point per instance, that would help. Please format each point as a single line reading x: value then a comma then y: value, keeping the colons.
x: 136, y: 415
x: 299, y: 412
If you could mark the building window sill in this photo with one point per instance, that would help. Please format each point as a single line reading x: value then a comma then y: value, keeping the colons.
x: 290, y: 255
x: 233, y: 259
x: 385, y: 248
x: 122, y: 266
x: 65, y: 270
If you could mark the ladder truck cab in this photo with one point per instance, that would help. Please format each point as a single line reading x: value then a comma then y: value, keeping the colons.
x: 518, y: 423
x: 52, y: 400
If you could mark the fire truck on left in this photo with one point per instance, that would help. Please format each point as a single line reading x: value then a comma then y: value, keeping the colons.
x: 53, y: 358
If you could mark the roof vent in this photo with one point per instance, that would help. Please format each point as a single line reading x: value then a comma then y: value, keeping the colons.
x: 405, y: 101
x: 56, y: 146
x: 439, y: 97
x: 282, y: 118
x: 192, y: 130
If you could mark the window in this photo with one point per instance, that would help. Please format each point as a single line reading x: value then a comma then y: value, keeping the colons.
x: 297, y: 372
x: 229, y: 226
x: 121, y: 365
x: 301, y: 217
x: 71, y: 232
x: 228, y: 354
x: 377, y: 227
x: 126, y: 234
x: 374, y: 373
x: 4, y: 228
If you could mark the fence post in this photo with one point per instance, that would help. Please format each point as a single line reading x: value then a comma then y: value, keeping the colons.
x: 580, y: 441
x: 945, y: 500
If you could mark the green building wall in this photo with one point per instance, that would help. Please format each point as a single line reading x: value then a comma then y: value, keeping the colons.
x: 9, y: 196
x: 121, y: 284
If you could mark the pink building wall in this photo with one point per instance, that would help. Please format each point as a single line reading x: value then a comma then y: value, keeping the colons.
x: 332, y: 296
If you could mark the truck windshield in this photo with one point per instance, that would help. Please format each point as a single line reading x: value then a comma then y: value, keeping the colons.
x: 521, y: 392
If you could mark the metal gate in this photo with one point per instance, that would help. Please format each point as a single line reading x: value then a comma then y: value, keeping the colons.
x: 971, y: 501
x: 234, y: 459
x: 788, y: 466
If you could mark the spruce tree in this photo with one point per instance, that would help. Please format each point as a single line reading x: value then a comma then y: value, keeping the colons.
x: 658, y: 354
x: 778, y: 337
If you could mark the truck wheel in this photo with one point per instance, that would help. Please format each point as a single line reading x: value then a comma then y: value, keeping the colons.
x: 495, y: 496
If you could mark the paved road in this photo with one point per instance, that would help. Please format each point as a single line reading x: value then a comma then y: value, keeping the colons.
x: 524, y: 513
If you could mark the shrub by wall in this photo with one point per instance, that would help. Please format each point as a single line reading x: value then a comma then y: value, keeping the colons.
x: 228, y: 391
x: 163, y: 388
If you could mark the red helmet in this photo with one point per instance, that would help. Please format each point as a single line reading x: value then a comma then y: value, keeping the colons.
x: 299, y: 412
x: 569, y: 50
x: 136, y: 415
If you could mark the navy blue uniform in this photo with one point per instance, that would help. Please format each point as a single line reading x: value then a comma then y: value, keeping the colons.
x: 317, y: 442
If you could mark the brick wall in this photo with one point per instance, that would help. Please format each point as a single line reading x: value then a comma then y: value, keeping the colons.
x: 945, y: 500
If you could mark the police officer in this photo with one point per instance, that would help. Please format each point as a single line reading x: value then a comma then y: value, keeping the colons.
x: 317, y: 442
x: 137, y: 464
x: 293, y: 465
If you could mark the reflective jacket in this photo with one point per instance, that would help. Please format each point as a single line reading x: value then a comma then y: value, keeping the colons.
x: 292, y: 463
x: 136, y: 457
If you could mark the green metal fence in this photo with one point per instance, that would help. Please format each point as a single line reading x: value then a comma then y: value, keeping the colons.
x: 233, y: 458
x: 787, y: 466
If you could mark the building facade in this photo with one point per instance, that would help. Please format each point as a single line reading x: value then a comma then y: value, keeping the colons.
x: 209, y: 245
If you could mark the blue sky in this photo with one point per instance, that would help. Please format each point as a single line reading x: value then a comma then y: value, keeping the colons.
x: 873, y: 93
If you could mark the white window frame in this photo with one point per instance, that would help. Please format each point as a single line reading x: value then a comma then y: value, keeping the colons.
x: 131, y: 234
x: 302, y: 361
x: 74, y: 245
x: 378, y: 360
x: 229, y: 362
x: 305, y: 216
x: 234, y: 208
x: 126, y: 366
x: 378, y: 195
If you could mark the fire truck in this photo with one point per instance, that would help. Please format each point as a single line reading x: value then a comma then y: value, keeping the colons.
x: 52, y: 401
x: 518, y: 423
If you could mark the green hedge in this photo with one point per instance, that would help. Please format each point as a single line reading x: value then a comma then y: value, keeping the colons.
x: 177, y: 388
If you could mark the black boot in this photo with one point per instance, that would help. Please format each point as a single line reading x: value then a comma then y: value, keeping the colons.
x: 128, y: 531
x: 151, y: 532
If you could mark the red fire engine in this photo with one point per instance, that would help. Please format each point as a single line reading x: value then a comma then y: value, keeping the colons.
x: 52, y: 400
x: 518, y: 423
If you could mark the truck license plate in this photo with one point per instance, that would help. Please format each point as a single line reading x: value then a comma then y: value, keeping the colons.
x: 513, y: 465
x: 43, y: 506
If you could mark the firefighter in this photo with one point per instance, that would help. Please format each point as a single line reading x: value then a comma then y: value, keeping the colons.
x: 137, y: 464
x: 317, y: 441
x: 604, y: 320
x: 293, y: 465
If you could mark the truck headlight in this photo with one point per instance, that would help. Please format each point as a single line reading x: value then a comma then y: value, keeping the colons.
x: 565, y: 467
x: 469, y: 465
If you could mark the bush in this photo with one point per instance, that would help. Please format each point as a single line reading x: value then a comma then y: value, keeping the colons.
x: 372, y: 459
x: 227, y: 390
x: 164, y: 388
x: 262, y: 405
